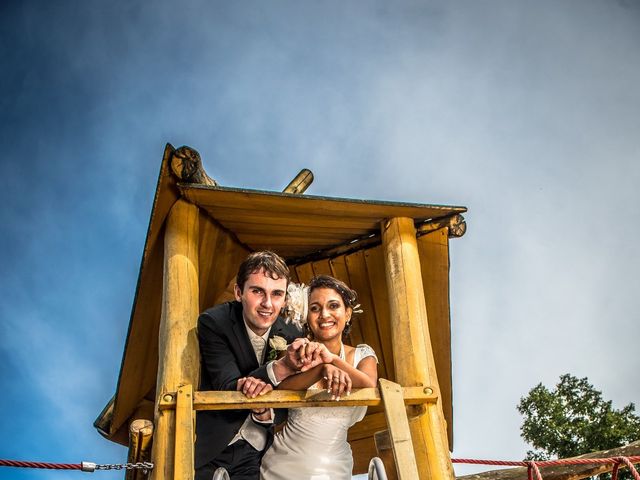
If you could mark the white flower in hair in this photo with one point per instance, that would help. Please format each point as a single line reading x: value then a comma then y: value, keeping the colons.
x: 297, y: 303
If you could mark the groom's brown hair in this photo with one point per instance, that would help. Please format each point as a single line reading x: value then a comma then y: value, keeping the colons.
x: 271, y: 263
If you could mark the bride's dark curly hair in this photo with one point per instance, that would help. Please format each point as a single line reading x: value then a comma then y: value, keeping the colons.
x: 348, y: 295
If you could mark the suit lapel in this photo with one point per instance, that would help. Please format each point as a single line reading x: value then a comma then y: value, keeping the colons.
x: 245, y: 349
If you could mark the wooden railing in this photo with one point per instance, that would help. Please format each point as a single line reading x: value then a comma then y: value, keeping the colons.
x: 392, y: 396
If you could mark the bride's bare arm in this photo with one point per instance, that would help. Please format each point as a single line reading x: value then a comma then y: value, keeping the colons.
x: 303, y: 380
x: 364, y: 376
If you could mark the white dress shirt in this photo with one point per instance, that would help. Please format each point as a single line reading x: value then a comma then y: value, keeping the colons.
x: 253, y: 434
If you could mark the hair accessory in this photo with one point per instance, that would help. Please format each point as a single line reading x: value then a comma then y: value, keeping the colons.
x: 297, y: 304
x: 357, y: 308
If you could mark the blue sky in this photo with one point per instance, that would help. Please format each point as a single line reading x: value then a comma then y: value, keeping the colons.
x: 525, y: 112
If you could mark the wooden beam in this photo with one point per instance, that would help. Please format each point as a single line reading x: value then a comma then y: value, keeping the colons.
x: 183, y: 467
x: 300, y: 183
x: 179, y: 359
x: 140, y: 434
x: 413, y: 355
x: 456, y: 226
x: 227, y: 400
x: 564, y: 472
x: 187, y: 167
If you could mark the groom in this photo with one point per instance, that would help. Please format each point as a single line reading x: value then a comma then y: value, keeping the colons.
x: 234, y: 345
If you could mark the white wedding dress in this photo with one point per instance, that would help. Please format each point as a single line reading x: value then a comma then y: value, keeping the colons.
x: 313, y: 443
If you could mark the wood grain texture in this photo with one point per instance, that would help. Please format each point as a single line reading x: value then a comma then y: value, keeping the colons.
x: 377, y: 283
x: 140, y: 435
x: 278, y: 220
x: 413, y: 357
x: 399, y: 431
x: 179, y: 360
x: 434, y: 261
x: 227, y: 400
x: 367, y: 319
x: 183, y: 467
x: 340, y: 271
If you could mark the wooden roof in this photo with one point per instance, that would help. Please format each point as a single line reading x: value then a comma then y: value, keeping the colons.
x: 300, y: 225
x: 315, y: 234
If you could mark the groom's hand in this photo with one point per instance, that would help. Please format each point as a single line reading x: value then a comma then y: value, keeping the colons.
x: 252, y: 387
x: 295, y: 355
x: 297, y: 358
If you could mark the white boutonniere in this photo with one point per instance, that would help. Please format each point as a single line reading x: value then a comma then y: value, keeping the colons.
x: 277, y: 345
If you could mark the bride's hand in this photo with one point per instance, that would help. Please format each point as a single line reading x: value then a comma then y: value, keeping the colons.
x: 316, y: 354
x: 338, y: 381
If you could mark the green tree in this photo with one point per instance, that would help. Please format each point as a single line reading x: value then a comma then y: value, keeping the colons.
x: 574, y: 419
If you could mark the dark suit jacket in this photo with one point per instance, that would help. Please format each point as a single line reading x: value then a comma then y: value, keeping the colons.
x: 226, y: 355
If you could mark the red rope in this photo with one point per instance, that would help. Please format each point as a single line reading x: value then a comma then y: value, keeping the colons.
x: 629, y: 464
x: 533, y: 471
x: 50, y: 466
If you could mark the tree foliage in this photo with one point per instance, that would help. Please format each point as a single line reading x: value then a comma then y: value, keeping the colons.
x: 574, y: 419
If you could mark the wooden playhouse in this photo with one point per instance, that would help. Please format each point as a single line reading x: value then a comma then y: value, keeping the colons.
x: 395, y: 255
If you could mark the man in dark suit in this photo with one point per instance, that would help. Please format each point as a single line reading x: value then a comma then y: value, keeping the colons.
x: 234, y: 346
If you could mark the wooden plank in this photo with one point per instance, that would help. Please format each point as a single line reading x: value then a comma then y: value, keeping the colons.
x: 209, y: 233
x: 286, y: 251
x: 304, y: 272
x: 283, y: 219
x: 399, y: 431
x: 433, y: 249
x: 226, y: 258
x: 363, y: 450
x: 293, y: 240
x: 309, y: 220
x: 413, y: 356
x: 341, y: 272
x: 185, y: 434
x: 315, y: 228
x: 228, y: 400
x: 367, y: 320
x: 294, y: 274
x: 321, y: 267
x: 384, y: 448
x: 179, y: 361
x: 368, y: 426
x: 283, y: 236
x: 377, y: 282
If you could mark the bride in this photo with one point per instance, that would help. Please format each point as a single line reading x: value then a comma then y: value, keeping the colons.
x: 313, y: 443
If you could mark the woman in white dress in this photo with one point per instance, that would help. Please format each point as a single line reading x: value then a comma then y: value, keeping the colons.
x: 313, y: 443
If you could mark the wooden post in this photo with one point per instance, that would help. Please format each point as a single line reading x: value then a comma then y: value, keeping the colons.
x: 178, y: 356
x: 412, y: 353
x: 140, y: 433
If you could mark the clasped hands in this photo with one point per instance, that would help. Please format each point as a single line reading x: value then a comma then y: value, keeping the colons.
x: 302, y: 355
